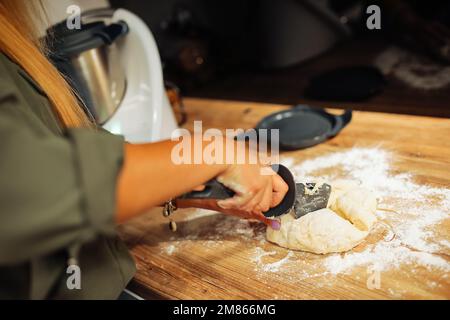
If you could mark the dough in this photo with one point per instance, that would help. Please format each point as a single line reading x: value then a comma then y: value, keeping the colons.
x: 340, y: 227
x: 321, y: 231
x: 338, y: 188
x: 358, y: 206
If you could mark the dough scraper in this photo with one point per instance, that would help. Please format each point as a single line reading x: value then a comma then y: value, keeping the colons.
x: 302, y: 198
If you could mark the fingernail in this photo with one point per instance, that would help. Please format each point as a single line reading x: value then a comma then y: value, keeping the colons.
x: 275, y: 224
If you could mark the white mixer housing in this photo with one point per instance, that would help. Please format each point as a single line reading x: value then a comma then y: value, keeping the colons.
x: 145, y: 114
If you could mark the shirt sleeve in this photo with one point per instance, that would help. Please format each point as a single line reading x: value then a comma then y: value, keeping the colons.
x: 56, y: 192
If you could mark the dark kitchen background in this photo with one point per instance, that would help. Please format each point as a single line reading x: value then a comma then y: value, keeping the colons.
x: 304, y: 51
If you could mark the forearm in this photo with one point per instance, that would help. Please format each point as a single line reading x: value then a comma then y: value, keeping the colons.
x: 149, y: 177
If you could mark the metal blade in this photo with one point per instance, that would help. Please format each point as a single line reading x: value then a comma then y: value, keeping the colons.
x: 306, y: 203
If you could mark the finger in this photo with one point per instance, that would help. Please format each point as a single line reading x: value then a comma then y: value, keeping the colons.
x: 253, y: 204
x: 199, y: 188
x: 266, y: 201
x: 273, y: 223
x: 280, y: 188
x: 243, y: 201
x: 235, y: 202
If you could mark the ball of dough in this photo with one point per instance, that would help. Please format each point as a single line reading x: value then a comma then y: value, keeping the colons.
x: 340, y: 227
x: 321, y: 231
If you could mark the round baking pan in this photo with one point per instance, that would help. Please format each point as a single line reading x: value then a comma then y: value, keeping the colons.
x: 302, y: 126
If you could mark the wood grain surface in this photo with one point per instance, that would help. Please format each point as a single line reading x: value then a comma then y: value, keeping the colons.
x: 213, y: 256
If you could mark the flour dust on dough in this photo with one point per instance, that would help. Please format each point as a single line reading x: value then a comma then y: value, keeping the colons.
x: 340, y: 227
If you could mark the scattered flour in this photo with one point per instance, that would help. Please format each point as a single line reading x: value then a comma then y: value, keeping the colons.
x: 408, y: 208
x: 276, y: 266
x: 445, y: 243
x: 260, y: 253
x: 170, y: 249
x: 385, y: 256
x: 269, y: 267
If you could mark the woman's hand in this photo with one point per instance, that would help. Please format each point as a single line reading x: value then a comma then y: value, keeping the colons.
x: 257, y: 189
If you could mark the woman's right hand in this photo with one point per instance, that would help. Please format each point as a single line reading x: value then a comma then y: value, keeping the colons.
x: 257, y: 189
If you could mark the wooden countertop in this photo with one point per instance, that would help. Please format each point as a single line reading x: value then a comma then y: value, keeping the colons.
x: 198, y: 262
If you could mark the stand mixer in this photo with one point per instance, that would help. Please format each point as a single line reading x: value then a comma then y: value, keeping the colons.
x: 113, y: 63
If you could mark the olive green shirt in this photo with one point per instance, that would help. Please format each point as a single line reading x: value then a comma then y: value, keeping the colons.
x: 57, y: 200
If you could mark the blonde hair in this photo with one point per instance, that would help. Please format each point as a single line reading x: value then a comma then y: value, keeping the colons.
x: 19, y: 40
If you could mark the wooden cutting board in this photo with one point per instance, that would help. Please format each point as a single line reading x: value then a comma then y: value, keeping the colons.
x: 213, y: 256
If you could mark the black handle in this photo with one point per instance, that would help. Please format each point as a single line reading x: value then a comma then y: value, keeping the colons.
x: 341, y: 121
x: 213, y: 190
x: 113, y: 31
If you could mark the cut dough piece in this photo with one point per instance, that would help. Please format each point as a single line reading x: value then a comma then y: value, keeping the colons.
x: 340, y: 227
x: 338, y: 188
x: 358, y: 206
x: 321, y: 231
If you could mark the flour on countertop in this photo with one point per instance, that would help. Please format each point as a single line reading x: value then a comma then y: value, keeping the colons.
x: 410, y: 209
x: 384, y: 256
x: 408, y: 215
x: 260, y: 253
x: 269, y: 267
x: 276, y: 266
x: 170, y: 249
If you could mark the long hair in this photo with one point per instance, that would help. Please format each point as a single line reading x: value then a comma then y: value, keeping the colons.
x: 19, y: 40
